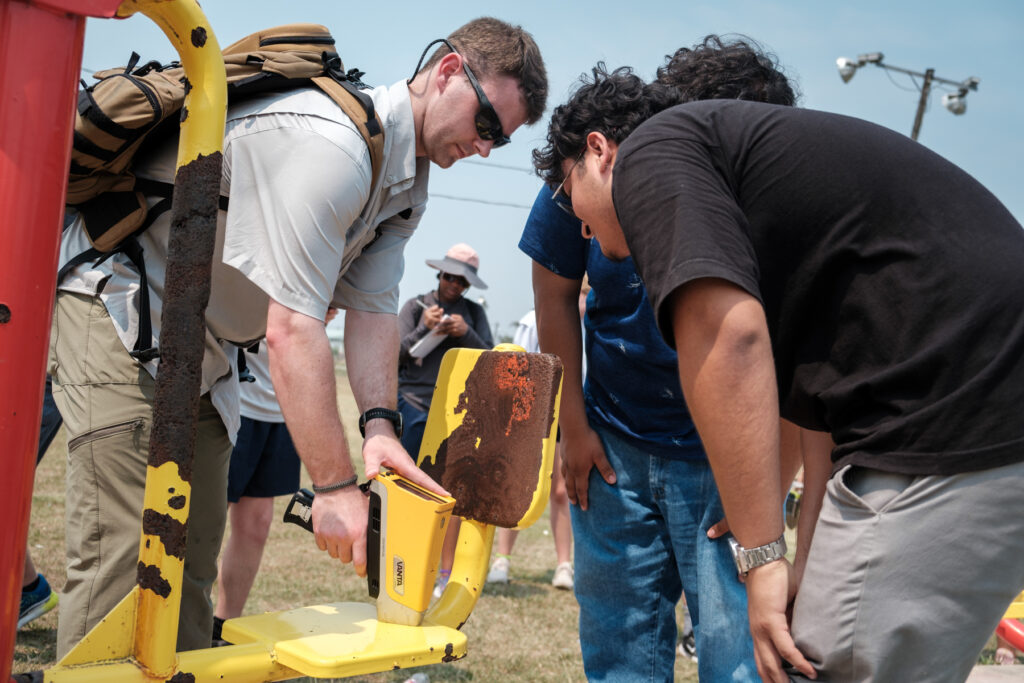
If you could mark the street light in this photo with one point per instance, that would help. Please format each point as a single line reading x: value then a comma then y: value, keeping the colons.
x: 954, y: 102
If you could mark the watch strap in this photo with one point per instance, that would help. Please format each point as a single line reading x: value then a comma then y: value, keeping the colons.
x: 751, y: 558
x: 381, y: 413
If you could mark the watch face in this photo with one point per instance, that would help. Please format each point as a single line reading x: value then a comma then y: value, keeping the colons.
x: 736, y: 549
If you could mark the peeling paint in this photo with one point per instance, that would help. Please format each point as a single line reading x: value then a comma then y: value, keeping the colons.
x: 490, y: 462
x: 176, y: 503
x: 149, y: 578
x: 193, y: 230
x: 170, y: 531
x: 199, y: 36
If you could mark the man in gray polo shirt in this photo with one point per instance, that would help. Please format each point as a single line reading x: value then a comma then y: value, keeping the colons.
x: 305, y: 230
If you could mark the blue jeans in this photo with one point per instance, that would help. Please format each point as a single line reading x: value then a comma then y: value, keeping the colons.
x: 639, y: 545
x: 414, y: 421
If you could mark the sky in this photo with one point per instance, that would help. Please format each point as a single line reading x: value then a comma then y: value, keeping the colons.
x: 485, y: 202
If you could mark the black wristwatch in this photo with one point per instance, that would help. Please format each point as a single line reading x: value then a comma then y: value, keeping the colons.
x: 381, y: 413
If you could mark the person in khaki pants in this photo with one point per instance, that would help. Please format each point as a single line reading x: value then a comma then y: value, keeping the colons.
x: 293, y: 243
x: 105, y: 398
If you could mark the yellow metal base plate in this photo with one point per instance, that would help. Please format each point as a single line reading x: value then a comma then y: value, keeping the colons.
x: 345, y: 639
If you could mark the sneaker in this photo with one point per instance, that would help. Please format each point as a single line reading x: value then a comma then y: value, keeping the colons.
x: 688, y: 647
x: 792, y: 507
x: 499, y: 570
x: 440, y: 584
x: 217, y: 639
x: 37, y: 602
x: 563, y: 576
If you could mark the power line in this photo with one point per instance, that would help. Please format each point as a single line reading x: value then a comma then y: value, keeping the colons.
x: 479, y: 201
x: 916, y: 87
x: 504, y: 167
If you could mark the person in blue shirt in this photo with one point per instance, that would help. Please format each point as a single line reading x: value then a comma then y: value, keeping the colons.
x: 643, y: 493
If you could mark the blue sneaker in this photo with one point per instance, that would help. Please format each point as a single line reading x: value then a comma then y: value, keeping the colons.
x: 36, y: 603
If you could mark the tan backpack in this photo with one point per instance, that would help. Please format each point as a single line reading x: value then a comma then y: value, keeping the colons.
x: 124, y: 109
x: 129, y: 107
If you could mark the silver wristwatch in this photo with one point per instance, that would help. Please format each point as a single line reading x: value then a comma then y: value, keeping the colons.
x: 747, y: 559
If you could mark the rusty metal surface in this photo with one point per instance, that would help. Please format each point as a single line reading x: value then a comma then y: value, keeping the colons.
x: 183, y: 326
x: 490, y: 462
x: 170, y: 531
x: 149, y: 578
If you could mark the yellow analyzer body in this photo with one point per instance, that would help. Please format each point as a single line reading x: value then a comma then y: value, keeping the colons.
x: 406, y: 529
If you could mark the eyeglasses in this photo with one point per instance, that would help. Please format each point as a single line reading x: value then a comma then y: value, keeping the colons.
x: 458, y: 279
x: 488, y: 125
x: 565, y: 201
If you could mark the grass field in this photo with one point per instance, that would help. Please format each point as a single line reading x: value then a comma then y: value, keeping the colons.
x: 524, y: 631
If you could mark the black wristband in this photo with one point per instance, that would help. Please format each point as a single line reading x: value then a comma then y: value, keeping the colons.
x: 351, y: 481
x: 393, y: 416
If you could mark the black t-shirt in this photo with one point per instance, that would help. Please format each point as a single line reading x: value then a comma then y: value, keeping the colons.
x: 892, y: 281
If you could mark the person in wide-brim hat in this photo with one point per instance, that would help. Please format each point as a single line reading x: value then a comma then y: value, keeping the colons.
x: 460, y: 260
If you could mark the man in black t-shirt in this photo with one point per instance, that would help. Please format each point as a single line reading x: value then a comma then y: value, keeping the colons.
x: 834, y: 272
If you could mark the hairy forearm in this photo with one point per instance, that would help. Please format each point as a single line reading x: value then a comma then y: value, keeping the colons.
x: 817, y: 450
x: 790, y: 454
x: 371, y: 360
x: 728, y: 378
x: 556, y: 303
x: 302, y: 370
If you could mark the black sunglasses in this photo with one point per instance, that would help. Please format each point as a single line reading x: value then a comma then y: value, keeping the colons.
x: 488, y: 125
x: 448, y: 277
x: 561, y: 198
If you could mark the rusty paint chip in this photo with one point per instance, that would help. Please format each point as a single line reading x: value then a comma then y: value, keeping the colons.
x: 170, y: 531
x: 182, y: 677
x: 5, y: 313
x: 448, y: 656
x: 490, y: 462
x: 199, y: 36
x: 176, y: 503
x: 149, y: 578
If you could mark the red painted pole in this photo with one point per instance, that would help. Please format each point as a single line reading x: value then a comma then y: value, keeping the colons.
x: 40, y: 61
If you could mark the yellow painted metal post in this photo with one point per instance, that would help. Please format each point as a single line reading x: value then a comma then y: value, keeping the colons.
x: 168, y: 490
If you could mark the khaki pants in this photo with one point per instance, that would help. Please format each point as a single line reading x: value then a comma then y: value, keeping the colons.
x: 908, y: 576
x: 106, y: 398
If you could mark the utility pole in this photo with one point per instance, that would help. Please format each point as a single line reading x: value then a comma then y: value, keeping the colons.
x: 954, y: 102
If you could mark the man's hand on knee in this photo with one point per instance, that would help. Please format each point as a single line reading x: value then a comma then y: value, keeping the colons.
x: 770, y: 589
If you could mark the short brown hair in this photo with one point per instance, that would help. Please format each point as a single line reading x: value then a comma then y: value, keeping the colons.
x: 495, y: 48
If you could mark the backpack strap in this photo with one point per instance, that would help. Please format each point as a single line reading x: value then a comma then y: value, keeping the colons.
x: 358, y: 106
x: 143, y: 351
x: 244, y: 373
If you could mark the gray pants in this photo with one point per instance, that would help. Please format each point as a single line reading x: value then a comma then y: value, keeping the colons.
x: 908, y: 576
x: 106, y: 397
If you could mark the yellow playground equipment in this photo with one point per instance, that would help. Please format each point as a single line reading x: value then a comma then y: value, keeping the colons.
x: 489, y: 440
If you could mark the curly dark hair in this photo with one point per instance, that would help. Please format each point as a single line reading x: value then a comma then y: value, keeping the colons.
x: 736, y: 69
x: 615, y: 103
x: 611, y: 103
